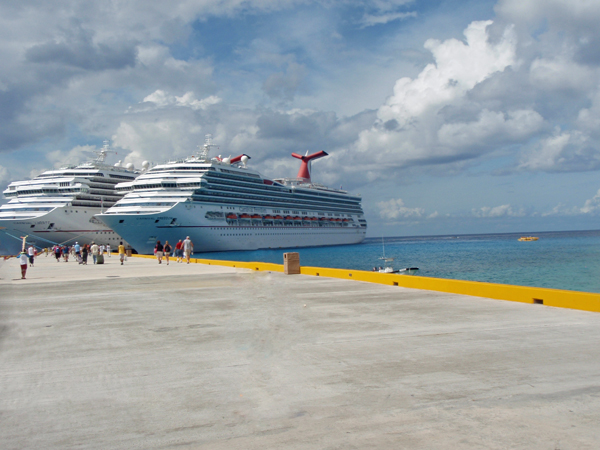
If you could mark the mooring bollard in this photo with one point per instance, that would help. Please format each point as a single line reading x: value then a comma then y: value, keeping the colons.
x: 291, y: 263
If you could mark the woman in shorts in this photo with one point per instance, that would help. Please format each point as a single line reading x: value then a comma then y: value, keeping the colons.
x: 158, y: 250
x: 167, y: 251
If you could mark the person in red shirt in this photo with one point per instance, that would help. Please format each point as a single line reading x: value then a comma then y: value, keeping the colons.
x: 178, y: 251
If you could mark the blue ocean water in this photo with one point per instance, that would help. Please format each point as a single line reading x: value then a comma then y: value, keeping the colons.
x: 559, y: 260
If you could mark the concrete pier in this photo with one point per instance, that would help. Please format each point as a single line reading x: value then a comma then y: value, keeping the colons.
x: 205, y: 357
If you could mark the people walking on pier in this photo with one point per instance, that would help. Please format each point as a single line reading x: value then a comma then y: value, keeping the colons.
x: 179, y: 251
x: 65, y: 253
x: 95, y: 250
x: 23, y: 259
x: 108, y: 249
x: 31, y: 253
x: 121, y: 252
x: 167, y: 251
x: 188, y: 248
x: 158, y: 251
x: 57, y: 252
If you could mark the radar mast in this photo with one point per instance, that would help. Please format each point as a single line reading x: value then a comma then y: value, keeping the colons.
x: 205, y: 150
x: 105, y: 150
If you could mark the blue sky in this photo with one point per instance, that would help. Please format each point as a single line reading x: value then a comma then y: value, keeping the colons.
x: 447, y: 117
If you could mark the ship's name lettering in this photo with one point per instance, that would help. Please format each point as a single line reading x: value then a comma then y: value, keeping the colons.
x: 155, y: 218
x: 39, y: 222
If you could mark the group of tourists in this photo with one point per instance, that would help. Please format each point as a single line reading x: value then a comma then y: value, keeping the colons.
x: 80, y: 252
x: 183, y: 250
x: 76, y: 251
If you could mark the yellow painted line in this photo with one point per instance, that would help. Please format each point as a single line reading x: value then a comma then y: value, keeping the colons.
x: 585, y: 301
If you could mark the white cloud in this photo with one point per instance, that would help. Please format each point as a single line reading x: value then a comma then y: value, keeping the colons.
x: 568, y: 14
x: 458, y: 67
x: 547, y: 153
x: 370, y: 20
x: 412, y: 128
x: 588, y: 119
x: 561, y: 74
x: 157, y: 141
x: 4, y: 177
x: 592, y: 205
x: 562, y: 210
x: 162, y: 100
x: 498, y: 211
x: 493, y: 95
x: 563, y: 151
x: 512, y: 126
x: 77, y: 155
x: 395, y: 209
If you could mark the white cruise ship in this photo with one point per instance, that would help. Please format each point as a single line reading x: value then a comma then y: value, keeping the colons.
x: 58, y: 206
x: 223, y: 205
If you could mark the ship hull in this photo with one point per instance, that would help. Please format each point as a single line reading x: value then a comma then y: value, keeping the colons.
x: 62, y: 225
x: 143, y: 230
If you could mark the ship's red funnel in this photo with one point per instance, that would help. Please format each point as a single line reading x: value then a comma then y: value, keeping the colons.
x: 304, y: 172
x: 237, y: 158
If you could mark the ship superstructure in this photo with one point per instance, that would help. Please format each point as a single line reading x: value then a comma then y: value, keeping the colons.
x: 58, y: 206
x: 223, y: 205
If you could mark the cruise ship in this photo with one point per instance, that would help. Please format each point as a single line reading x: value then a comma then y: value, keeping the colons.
x: 223, y: 205
x: 58, y: 206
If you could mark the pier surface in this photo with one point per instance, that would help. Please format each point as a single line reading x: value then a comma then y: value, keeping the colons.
x: 204, y: 357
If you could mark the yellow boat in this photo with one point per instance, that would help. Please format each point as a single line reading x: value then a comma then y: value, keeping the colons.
x: 528, y: 238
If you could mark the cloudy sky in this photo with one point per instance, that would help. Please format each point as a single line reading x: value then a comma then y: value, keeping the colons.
x: 448, y: 117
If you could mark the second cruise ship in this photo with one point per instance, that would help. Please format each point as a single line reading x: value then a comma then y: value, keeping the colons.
x: 58, y: 206
x: 223, y: 205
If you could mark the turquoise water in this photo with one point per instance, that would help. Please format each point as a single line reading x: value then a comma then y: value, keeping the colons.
x: 559, y: 260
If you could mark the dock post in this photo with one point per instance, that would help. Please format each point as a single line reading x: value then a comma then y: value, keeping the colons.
x: 291, y: 263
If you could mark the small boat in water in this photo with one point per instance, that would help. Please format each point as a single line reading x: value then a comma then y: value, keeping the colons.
x: 528, y: 238
x: 408, y: 270
x: 388, y: 268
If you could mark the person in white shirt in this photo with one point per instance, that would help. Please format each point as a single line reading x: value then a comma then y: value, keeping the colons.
x: 95, y: 250
x: 23, y: 261
x: 102, y: 249
x: 31, y: 253
x: 108, y: 249
x: 188, y: 248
